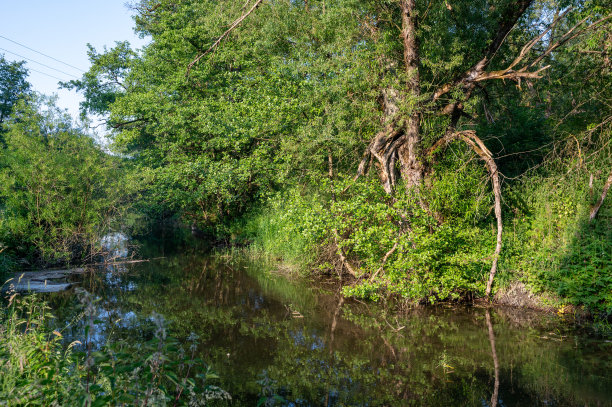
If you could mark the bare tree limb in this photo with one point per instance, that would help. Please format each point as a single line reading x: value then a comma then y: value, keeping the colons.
x: 508, y: 21
x: 606, y: 187
x: 123, y: 124
x: 477, y: 72
x: 342, y: 256
x: 225, y: 34
x: 469, y: 137
x: 384, y: 260
x: 567, y: 37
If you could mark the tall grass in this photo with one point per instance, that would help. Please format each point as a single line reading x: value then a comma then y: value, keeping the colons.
x: 291, y: 226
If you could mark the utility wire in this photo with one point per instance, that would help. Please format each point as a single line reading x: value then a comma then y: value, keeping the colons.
x: 45, y: 55
x: 39, y: 63
x: 54, y: 77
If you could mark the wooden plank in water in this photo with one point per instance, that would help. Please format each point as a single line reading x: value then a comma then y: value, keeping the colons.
x: 43, y: 275
x: 38, y: 287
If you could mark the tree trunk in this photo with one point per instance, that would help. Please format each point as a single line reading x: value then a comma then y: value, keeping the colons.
x: 409, y: 151
x: 595, y: 209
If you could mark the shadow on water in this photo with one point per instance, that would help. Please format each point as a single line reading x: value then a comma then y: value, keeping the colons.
x: 280, y: 341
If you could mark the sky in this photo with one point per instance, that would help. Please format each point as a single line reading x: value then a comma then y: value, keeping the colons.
x: 61, y: 29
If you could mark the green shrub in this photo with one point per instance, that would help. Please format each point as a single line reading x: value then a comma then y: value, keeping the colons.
x: 38, y: 368
x: 291, y: 225
x: 59, y: 191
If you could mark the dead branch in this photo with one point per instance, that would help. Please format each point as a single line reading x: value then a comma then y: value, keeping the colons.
x: 235, y: 24
x: 606, y: 187
x: 507, y: 22
x: 569, y: 35
x: 524, y: 73
x: 384, y: 260
x: 470, y: 137
x: 342, y: 256
x: 126, y: 123
x: 477, y: 73
x: 361, y: 170
x: 339, y: 250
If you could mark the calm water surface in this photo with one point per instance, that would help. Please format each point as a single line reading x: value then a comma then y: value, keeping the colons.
x: 277, y: 339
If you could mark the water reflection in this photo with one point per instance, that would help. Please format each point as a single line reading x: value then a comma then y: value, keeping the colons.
x: 494, y: 398
x: 115, y: 245
x: 279, y: 341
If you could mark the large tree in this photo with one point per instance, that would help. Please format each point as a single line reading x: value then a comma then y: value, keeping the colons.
x: 231, y: 99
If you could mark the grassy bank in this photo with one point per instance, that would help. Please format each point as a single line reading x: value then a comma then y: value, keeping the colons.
x: 550, y: 246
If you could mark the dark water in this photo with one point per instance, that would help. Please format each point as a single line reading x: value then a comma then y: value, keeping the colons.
x: 276, y: 338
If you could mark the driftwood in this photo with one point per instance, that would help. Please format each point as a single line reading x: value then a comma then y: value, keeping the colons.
x: 38, y: 287
x: 46, y: 281
x: 41, y: 281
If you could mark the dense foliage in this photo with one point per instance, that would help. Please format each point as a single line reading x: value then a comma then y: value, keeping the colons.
x: 419, y: 148
x: 38, y: 369
x: 59, y: 191
x: 13, y: 85
x: 387, y: 143
x: 474, y: 116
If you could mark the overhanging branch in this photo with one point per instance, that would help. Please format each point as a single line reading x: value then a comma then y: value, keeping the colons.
x: 471, y: 139
x: 235, y: 24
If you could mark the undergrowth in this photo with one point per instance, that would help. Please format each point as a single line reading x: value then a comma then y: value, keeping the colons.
x: 444, y: 253
x: 37, y: 367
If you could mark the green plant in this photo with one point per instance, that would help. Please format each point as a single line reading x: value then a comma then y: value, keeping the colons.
x: 59, y: 192
x: 38, y: 368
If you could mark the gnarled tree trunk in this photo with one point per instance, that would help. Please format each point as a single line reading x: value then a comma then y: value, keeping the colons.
x: 410, y: 149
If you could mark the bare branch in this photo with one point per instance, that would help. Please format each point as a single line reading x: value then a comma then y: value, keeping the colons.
x: 508, y: 21
x: 477, y: 73
x: 384, y: 260
x: 469, y: 137
x: 527, y: 47
x: 606, y: 187
x: 123, y: 124
x: 342, y: 256
x: 567, y: 37
x: 225, y: 34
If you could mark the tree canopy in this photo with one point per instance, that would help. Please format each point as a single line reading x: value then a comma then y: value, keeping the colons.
x: 13, y: 85
x: 229, y: 102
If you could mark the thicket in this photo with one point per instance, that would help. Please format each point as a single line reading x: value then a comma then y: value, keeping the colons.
x: 39, y: 367
x: 551, y: 246
x: 59, y: 191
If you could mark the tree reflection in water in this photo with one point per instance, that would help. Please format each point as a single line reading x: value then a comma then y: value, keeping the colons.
x: 341, y: 352
x: 494, y: 397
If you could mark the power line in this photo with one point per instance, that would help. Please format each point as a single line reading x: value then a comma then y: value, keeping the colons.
x: 39, y: 63
x: 54, y: 77
x: 45, y: 55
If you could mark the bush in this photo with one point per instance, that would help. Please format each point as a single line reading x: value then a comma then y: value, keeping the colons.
x: 38, y: 368
x: 290, y: 225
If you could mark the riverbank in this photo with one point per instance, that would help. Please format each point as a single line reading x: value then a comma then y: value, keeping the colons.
x: 269, y: 336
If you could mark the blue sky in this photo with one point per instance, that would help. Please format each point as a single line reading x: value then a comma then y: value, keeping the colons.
x: 62, y: 29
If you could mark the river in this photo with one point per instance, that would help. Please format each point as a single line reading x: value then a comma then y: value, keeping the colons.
x: 275, y: 339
